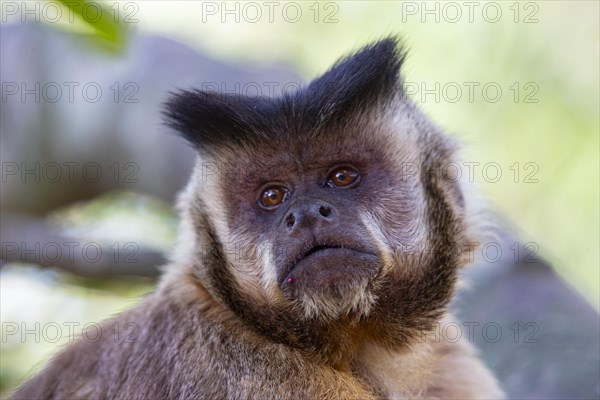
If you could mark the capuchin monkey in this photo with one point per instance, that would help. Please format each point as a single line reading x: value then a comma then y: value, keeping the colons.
x: 319, y: 247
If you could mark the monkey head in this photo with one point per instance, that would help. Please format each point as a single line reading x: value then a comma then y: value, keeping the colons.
x: 326, y: 212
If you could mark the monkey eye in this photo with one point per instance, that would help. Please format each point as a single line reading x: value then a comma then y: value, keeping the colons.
x: 342, y: 177
x: 273, y: 196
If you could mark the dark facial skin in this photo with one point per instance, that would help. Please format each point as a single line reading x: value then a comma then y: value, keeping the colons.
x: 309, y: 208
x: 326, y: 243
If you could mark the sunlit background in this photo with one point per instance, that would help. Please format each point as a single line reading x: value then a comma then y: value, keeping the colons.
x: 541, y: 131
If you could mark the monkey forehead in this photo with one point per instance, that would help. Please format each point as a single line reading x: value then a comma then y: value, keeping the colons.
x: 286, y: 160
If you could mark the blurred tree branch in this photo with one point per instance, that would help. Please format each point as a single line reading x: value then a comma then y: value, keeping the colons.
x: 33, y: 241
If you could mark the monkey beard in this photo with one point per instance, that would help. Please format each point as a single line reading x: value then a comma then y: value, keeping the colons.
x: 338, y: 300
x: 329, y: 279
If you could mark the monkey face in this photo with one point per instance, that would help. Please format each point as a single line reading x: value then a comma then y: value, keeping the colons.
x: 304, y: 214
x: 324, y: 256
x: 325, y: 250
x: 330, y: 219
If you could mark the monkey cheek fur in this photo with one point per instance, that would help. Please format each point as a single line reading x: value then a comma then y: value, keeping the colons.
x: 331, y: 273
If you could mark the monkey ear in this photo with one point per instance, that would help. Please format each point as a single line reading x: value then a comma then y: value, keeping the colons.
x: 358, y: 82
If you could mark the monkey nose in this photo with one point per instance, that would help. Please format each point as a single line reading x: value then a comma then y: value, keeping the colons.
x: 308, y: 215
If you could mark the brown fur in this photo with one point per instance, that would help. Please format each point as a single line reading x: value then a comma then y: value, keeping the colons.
x: 189, y: 346
x: 222, y: 325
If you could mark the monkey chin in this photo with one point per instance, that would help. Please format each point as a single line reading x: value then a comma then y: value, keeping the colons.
x: 332, y: 283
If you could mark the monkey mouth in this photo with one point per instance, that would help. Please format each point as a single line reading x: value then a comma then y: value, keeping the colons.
x: 325, y: 260
x: 320, y: 247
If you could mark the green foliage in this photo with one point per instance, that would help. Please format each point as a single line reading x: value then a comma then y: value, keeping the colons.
x: 102, y: 25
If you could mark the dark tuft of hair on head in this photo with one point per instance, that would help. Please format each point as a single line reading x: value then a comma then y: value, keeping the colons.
x: 357, y: 83
x: 209, y: 118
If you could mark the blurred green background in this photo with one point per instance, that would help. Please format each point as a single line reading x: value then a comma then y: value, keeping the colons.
x: 543, y: 55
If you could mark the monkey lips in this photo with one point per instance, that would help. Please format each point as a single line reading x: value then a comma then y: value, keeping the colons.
x: 325, y: 268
